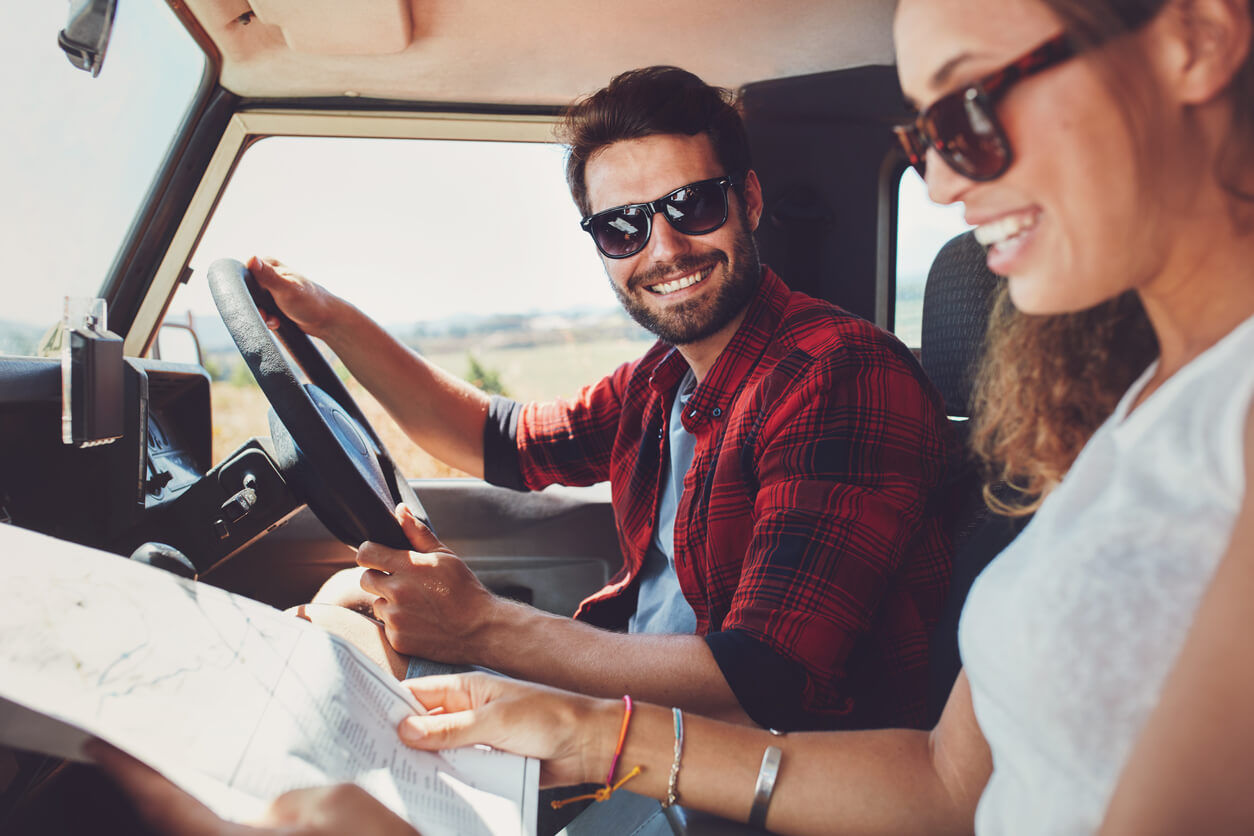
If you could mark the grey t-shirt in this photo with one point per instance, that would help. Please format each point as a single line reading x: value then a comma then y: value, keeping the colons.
x: 660, y: 604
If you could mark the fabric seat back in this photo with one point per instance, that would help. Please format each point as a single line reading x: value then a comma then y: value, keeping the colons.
x: 957, y: 301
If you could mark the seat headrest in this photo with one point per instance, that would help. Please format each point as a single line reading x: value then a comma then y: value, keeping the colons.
x: 957, y: 301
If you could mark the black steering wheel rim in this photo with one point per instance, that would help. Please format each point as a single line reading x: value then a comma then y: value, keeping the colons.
x: 332, y: 457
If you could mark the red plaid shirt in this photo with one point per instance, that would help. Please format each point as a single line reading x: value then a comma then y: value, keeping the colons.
x: 811, y: 536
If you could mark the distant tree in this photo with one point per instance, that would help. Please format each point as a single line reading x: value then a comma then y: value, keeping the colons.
x: 489, y: 380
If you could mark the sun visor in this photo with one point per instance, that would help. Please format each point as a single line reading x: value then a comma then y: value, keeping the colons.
x: 334, y: 27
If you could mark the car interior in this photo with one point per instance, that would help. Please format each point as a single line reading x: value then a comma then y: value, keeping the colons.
x: 122, y: 456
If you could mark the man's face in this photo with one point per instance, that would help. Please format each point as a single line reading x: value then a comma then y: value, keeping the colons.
x: 683, y: 288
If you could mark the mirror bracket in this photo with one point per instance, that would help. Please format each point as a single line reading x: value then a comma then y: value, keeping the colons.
x: 86, y: 34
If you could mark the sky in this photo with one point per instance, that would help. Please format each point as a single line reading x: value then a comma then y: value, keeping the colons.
x: 411, y: 229
x: 80, y: 152
x: 467, y: 227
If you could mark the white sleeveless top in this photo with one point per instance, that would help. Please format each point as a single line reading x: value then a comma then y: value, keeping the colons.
x: 1068, y: 636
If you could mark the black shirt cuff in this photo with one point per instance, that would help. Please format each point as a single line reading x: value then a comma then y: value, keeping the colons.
x: 768, y: 685
x: 500, y: 444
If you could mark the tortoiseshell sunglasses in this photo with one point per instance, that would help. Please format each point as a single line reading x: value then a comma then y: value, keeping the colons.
x: 962, y: 126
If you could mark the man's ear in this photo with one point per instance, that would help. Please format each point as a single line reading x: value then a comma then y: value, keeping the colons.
x: 753, y: 199
x: 1209, y: 41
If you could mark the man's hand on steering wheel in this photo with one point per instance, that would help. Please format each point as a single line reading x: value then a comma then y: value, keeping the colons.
x: 307, y: 303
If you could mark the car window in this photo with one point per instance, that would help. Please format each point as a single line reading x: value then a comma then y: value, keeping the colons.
x: 76, y: 166
x: 470, y: 252
x: 923, y: 227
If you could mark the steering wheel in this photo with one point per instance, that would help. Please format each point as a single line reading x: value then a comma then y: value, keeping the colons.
x: 326, y: 449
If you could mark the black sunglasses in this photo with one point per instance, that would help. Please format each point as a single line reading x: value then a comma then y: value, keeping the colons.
x: 962, y: 126
x: 695, y: 209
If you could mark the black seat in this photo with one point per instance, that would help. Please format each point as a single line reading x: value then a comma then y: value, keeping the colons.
x: 957, y: 300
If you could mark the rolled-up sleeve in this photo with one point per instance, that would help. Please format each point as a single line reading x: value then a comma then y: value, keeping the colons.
x: 847, y: 563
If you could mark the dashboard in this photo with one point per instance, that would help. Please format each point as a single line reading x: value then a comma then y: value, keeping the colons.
x: 154, y: 483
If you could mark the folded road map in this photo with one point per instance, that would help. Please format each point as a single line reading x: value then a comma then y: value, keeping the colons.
x: 230, y: 699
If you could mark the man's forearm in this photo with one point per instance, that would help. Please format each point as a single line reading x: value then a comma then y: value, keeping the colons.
x: 672, y: 670
x: 438, y: 411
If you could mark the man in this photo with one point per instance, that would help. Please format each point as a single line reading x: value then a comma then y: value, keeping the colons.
x: 775, y: 462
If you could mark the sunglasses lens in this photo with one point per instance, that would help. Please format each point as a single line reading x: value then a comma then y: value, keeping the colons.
x: 621, y: 233
x: 698, y: 208
x: 968, y: 137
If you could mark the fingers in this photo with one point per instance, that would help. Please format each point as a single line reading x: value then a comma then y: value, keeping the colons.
x: 420, y: 537
x: 433, y: 732
x: 453, y: 719
x: 374, y: 583
x: 266, y: 272
x: 450, y: 693
x: 384, y: 559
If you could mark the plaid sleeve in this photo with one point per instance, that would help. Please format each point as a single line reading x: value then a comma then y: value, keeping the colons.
x: 569, y: 441
x: 846, y: 464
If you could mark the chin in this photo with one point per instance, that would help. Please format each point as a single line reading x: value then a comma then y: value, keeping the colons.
x: 1039, y: 295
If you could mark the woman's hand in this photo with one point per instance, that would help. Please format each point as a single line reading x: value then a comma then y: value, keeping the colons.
x: 573, y: 735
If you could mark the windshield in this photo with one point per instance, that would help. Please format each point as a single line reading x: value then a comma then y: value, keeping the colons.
x: 81, y: 152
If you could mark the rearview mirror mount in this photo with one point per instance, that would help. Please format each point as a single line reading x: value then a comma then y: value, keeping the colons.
x: 86, y: 34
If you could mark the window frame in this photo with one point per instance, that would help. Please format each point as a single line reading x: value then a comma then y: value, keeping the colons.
x: 248, y: 126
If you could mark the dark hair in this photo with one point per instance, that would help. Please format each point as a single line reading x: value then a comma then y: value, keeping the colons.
x: 1047, y: 383
x: 646, y: 102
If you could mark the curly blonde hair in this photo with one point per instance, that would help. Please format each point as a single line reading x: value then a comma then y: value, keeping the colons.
x: 1045, y: 385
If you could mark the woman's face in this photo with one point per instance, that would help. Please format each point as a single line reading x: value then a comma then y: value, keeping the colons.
x: 1063, y: 222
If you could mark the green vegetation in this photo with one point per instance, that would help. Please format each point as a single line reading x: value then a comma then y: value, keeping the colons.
x: 486, y: 379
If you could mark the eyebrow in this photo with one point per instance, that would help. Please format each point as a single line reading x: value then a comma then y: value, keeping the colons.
x: 940, y: 79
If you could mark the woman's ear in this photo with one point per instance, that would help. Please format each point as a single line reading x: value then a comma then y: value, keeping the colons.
x: 1207, y: 42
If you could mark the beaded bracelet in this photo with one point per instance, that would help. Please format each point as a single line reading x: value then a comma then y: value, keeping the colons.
x: 672, y: 785
x: 610, y: 787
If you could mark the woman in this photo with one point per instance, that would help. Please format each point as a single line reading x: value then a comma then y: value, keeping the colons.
x: 1106, y: 686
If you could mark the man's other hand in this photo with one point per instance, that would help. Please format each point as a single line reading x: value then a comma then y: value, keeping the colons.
x: 308, y: 304
x: 318, y: 811
x: 430, y: 603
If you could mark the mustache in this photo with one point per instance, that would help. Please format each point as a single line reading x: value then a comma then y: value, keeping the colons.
x: 678, y: 267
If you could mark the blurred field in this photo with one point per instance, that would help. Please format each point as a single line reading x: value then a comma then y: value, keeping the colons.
x: 534, y: 373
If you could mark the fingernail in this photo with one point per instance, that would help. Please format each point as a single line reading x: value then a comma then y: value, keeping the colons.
x: 410, y: 730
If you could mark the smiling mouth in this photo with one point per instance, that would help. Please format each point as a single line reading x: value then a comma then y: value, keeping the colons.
x: 666, y: 288
x: 1006, y: 229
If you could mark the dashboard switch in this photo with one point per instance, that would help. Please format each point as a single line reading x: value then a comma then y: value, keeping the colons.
x: 238, y: 506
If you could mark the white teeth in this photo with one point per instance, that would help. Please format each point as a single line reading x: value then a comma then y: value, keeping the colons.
x: 678, y: 284
x: 1003, y: 229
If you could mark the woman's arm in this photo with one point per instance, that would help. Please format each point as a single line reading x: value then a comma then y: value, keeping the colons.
x: 1190, y: 769
x: 892, y: 781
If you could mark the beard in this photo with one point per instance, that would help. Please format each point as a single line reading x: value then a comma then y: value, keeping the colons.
x: 697, y: 319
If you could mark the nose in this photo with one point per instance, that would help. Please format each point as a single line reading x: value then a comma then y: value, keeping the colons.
x: 944, y: 185
x: 665, y: 242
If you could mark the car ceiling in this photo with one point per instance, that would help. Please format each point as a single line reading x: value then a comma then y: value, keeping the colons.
x: 540, y: 52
